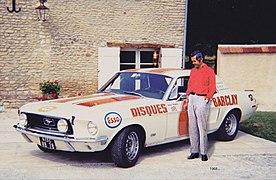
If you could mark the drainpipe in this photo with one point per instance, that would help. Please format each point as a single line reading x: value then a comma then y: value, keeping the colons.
x: 185, y: 32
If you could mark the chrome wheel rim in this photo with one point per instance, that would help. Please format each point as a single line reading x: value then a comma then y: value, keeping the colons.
x: 132, y: 145
x: 231, y: 124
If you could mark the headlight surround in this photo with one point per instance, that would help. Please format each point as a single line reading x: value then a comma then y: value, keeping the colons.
x: 92, y: 128
x: 23, y: 120
x: 62, y: 125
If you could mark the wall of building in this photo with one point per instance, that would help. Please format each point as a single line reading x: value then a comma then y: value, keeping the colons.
x: 64, y: 48
x: 250, y: 67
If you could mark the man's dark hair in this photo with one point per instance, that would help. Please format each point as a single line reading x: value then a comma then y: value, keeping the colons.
x: 198, y: 54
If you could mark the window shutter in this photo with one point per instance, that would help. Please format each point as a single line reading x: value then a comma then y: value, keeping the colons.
x: 108, y: 63
x: 171, y: 58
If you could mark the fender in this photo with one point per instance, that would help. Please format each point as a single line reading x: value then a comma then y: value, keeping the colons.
x: 117, y: 131
x: 223, y: 114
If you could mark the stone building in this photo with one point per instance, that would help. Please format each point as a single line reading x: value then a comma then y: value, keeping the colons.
x: 83, y: 43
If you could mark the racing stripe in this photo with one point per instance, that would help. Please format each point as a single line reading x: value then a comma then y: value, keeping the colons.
x: 163, y: 70
x: 132, y: 70
x: 107, y: 100
x: 80, y: 98
x: 183, y: 120
x: 153, y: 70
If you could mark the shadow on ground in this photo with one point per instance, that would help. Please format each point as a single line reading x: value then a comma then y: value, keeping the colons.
x: 103, y: 159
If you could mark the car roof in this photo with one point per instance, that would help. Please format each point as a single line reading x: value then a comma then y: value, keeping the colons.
x: 172, y: 72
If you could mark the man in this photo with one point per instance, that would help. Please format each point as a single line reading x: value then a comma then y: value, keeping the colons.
x: 201, y: 88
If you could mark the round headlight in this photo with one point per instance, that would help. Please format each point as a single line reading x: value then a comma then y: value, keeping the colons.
x: 62, y: 125
x: 23, y: 119
x: 92, y: 128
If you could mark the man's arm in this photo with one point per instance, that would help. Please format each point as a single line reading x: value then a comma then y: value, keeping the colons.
x: 212, y: 85
x: 189, y: 88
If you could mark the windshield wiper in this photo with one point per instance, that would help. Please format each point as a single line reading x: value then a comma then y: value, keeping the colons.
x: 133, y: 93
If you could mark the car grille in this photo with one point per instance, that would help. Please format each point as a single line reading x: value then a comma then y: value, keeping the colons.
x: 45, y: 123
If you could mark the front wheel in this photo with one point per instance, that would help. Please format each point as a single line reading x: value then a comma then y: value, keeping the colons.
x: 126, y: 148
x: 229, y: 127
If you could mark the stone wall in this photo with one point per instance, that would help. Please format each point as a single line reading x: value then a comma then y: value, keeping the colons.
x: 250, y: 67
x: 64, y: 48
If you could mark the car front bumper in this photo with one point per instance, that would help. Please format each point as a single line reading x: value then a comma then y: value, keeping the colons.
x: 64, y: 143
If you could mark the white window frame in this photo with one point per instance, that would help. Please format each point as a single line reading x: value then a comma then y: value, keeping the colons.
x: 137, y: 56
x: 109, y: 60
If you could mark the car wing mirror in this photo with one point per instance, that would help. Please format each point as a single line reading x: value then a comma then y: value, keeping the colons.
x: 181, y: 97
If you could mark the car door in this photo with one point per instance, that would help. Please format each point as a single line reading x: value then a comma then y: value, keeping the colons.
x: 177, y: 116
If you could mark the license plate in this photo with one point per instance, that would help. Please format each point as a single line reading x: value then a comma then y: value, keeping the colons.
x: 47, y: 143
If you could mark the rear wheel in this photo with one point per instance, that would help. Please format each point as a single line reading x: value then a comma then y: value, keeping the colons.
x: 229, y: 128
x: 126, y: 148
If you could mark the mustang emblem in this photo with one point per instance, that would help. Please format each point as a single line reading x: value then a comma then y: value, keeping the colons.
x: 49, y: 122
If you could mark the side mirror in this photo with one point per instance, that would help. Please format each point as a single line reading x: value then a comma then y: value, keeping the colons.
x: 181, y: 97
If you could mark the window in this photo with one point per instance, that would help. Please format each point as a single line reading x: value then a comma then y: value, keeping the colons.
x: 138, y: 58
x: 180, y: 88
x: 127, y: 60
x: 141, y: 84
x: 182, y: 84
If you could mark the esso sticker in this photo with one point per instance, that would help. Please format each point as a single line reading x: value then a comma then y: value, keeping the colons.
x: 113, y: 119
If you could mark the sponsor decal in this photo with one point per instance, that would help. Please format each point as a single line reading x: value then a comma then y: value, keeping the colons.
x: 47, y: 108
x: 226, y: 100
x: 149, y: 110
x: 112, y: 119
x: 173, y: 108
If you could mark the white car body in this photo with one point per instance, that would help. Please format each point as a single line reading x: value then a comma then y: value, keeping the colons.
x: 94, y: 122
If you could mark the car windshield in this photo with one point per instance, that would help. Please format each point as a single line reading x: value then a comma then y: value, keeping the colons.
x: 138, y: 84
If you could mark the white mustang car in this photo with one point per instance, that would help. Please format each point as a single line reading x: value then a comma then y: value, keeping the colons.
x: 134, y: 109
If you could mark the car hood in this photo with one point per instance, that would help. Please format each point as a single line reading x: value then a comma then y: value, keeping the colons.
x: 82, y: 106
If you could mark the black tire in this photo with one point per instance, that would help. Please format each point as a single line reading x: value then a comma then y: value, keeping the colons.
x: 229, y: 127
x: 126, y: 148
x: 45, y: 149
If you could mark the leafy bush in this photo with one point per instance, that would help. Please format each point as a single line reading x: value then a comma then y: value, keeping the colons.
x: 49, y: 87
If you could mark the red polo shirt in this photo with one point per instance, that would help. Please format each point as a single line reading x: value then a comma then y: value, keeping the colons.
x: 202, y: 81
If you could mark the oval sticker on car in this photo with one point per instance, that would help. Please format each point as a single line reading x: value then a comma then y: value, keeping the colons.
x: 46, y: 108
x: 112, y: 119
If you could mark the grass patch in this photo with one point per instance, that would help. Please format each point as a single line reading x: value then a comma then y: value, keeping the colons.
x: 261, y: 124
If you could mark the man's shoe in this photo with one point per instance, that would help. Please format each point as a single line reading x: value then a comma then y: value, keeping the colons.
x: 204, y: 157
x: 193, y: 156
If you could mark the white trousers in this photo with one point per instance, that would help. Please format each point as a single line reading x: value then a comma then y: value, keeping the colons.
x: 198, y: 112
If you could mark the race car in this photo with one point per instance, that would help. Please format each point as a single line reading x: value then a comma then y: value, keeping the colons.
x: 136, y: 108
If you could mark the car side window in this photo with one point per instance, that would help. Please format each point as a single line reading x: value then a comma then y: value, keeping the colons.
x: 179, y: 89
x: 182, y: 84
